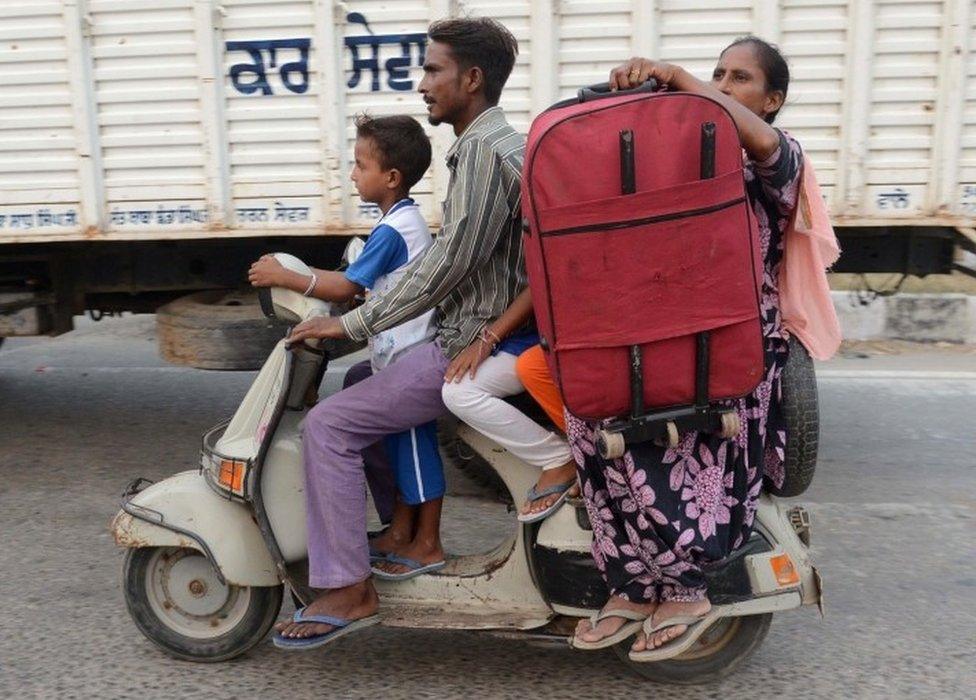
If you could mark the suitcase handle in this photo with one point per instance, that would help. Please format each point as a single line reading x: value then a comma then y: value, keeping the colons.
x: 602, y: 90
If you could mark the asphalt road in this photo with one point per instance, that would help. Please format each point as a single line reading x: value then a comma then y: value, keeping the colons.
x: 894, y: 508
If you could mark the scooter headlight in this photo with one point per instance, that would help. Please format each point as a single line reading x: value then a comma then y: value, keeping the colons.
x: 226, y: 475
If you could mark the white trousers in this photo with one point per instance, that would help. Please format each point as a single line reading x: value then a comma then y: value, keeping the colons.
x: 476, y: 402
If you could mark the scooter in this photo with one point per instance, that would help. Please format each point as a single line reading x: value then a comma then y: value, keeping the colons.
x: 211, y: 550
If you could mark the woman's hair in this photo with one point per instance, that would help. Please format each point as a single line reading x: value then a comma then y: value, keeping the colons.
x: 773, y: 65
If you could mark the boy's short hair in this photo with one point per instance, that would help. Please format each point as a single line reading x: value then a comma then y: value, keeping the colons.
x: 399, y: 142
x: 481, y: 42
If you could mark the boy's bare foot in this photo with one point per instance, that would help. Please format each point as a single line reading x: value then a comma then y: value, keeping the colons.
x: 392, y: 539
x: 610, y: 625
x: 664, y: 611
x: 424, y: 552
x: 551, y: 477
x: 350, y: 603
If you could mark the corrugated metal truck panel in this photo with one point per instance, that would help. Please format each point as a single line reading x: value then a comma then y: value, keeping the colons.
x: 122, y: 119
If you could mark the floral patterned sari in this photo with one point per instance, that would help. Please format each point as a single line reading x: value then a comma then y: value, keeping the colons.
x: 659, y: 514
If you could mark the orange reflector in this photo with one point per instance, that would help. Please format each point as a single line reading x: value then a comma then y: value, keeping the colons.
x: 784, y: 570
x: 232, y: 474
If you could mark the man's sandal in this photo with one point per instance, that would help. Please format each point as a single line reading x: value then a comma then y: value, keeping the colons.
x: 340, y: 628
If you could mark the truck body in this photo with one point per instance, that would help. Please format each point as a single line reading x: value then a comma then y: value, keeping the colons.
x: 153, y: 149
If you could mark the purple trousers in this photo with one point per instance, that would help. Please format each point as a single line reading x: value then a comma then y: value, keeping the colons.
x: 379, y: 471
x: 404, y: 395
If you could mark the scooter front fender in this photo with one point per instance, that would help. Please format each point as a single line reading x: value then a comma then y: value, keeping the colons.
x: 183, y: 511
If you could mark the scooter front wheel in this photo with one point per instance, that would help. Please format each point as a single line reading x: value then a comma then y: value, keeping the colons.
x: 716, y: 654
x: 178, y: 602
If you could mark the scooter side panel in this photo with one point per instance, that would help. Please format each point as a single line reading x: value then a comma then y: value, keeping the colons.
x: 283, y: 489
x: 187, y: 502
x: 771, y: 515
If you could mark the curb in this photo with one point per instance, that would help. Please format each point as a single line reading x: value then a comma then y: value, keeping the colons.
x: 947, y: 318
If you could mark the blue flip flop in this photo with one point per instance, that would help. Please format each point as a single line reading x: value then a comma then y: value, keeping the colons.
x: 534, y: 495
x: 340, y: 628
x: 416, y: 568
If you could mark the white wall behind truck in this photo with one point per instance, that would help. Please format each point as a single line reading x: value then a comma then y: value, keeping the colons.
x: 125, y: 119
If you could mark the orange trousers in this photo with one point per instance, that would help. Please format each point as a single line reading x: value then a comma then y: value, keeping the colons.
x: 533, y: 372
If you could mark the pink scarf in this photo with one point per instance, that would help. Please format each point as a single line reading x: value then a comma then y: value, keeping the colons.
x: 810, y: 247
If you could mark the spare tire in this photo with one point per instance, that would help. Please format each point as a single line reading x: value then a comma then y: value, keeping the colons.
x: 802, y: 413
x: 217, y: 329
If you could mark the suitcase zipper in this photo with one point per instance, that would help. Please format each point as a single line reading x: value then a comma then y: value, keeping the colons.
x: 630, y: 223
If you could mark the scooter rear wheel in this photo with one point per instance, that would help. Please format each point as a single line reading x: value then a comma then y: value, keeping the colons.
x: 719, y: 651
x: 177, y: 601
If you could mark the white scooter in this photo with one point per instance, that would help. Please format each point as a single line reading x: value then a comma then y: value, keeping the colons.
x: 210, y: 550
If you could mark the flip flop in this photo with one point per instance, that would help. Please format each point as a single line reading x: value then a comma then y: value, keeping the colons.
x: 533, y: 495
x: 626, y: 630
x: 340, y: 628
x: 416, y: 568
x: 697, y: 626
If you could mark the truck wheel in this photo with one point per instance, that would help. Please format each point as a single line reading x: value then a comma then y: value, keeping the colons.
x: 801, y: 410
x: 715, y: 655
x: 217, y: 329
x: 177, y: 601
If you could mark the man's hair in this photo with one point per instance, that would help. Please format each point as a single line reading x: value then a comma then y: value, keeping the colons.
x: 399, y: 143
x: 481, y: 42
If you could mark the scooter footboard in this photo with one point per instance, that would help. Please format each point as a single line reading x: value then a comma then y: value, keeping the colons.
x: 183, y: 511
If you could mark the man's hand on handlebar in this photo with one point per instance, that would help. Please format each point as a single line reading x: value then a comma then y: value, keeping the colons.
x: 318, y: 327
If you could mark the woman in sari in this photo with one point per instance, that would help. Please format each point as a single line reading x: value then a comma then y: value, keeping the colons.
x: 660, y: 513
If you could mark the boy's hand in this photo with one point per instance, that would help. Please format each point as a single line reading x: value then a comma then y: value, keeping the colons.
x: 468, y: 360
x: 318, y: 327
x: 266, y: 272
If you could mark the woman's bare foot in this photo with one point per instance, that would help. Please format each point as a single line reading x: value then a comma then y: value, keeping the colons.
x: 551, y: 477
x: 664, y: 611
x: 350, y: 603
x: 610, y: 625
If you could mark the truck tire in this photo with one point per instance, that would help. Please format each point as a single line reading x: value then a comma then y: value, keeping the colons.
x: 217, y: 329
x: 801, y: 410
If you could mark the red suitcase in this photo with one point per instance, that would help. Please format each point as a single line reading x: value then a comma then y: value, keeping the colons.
x: 643, y: 258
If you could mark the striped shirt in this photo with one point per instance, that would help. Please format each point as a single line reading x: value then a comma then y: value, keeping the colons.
x: 475, y: 268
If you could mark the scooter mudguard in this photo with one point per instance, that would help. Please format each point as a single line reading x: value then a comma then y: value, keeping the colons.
x: 183, y: 511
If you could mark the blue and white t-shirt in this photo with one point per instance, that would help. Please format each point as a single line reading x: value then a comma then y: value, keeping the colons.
x: 395, y: 242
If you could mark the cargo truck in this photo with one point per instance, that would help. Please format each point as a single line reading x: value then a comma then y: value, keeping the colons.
x: 149, y: 151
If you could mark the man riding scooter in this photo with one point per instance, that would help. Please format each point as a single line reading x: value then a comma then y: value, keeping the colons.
x: 466, y: 66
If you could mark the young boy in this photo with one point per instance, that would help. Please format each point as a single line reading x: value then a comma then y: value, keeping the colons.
x: 391, y: 155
